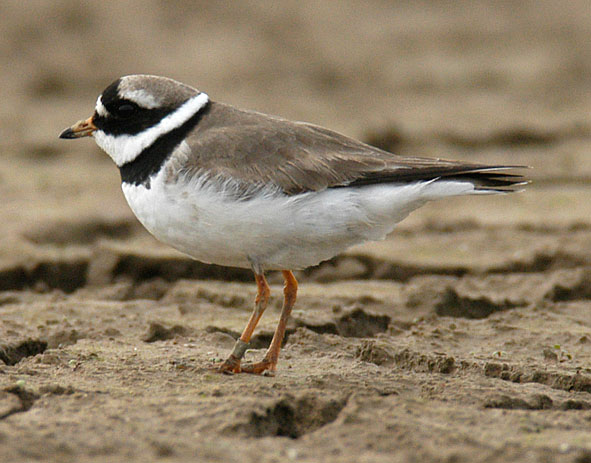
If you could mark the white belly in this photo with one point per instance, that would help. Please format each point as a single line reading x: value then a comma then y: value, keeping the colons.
x: 270, y: 231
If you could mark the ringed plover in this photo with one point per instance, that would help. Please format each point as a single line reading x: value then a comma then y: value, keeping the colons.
x: 244, y: 189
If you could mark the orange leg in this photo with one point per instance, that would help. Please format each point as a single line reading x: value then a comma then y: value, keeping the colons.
x: 269, y: 362
x: 232, y: 363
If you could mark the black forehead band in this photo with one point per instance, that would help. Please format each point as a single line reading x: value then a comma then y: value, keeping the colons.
x: 112, y: 125
x: 111, y: 93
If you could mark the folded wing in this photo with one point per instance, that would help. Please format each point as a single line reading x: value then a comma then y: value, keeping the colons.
x: 296, y: 157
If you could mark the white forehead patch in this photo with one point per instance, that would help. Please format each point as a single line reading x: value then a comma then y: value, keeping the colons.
x: 100, y: 107
x: 140, y: 97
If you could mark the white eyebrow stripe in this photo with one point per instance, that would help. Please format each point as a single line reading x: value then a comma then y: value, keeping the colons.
x: 100, y: 107
x: 125, y: 148
x: 141, y: 98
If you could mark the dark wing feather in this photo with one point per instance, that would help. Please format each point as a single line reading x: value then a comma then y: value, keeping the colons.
x: 257, y: 149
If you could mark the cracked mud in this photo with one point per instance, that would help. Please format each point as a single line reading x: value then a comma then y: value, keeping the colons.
x: 465, y: 336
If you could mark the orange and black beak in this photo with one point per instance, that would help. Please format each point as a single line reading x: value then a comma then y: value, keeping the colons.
x: 79, y: 129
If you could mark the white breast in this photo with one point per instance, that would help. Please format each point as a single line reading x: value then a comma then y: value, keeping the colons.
x: 270, y: 230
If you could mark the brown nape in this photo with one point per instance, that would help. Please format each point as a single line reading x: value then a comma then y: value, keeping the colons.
x: 269, y: 362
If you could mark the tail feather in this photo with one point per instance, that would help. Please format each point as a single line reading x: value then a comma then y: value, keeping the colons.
x: 487, y: 181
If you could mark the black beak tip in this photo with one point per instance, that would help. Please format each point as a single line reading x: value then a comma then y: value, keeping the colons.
x: 68, y: 133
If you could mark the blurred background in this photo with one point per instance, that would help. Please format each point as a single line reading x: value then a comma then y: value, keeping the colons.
x: 475, y: 296
x: 487, y: 81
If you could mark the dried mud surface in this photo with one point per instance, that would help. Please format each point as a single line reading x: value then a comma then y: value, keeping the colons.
x: 465, y: 336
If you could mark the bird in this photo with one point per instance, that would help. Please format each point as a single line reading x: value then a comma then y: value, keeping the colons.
x: 240, y: 188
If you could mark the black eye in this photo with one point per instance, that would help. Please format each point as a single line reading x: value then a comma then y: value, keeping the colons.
x: 124, y: 110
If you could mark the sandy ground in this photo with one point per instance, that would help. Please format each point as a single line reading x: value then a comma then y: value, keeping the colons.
x: 463, y: 337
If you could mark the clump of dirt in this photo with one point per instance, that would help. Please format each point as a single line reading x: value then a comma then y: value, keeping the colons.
x: 452, y: 304
x: 355, y: 323
x: 574, y: 288
x: 290, y: 416
x: 15, y: 399
x: 382, y: 355
x: 159, y: 332
x: 83, y: 232
x: 537, y: 402
x: 66, y: 275
x: 14, y: 353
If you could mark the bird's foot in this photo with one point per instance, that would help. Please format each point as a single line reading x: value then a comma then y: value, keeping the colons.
x: 230, y: 366
x: 265, y: 368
